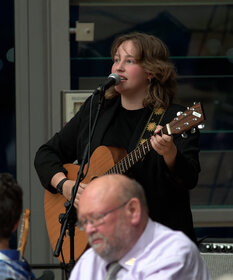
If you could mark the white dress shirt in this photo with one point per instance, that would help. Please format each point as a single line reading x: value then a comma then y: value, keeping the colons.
x: 159, y: 254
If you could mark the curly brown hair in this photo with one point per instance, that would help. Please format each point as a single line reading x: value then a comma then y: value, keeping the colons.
x: 153, y: 56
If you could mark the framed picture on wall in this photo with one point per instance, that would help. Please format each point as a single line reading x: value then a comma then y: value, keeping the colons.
x: 71, y: 103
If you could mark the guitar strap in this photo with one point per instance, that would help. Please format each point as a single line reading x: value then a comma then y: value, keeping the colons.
x: 155, y: 119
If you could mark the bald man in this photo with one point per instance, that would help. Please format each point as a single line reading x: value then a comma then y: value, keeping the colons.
x: 113, y: 212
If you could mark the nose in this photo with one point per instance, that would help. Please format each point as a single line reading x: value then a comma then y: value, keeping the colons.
x: 119, y: 67
x: 89, y: 228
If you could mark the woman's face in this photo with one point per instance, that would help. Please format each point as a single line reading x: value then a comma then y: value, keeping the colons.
x: 134, y: 79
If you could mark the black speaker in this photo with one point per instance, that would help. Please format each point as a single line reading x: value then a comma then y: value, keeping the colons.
x: 218, y: 257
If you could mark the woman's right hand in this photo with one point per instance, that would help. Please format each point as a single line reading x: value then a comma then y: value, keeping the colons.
x: 67, y: 191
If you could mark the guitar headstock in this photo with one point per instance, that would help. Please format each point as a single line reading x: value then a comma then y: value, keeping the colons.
x: 24, y: 231
x: 191, y: 118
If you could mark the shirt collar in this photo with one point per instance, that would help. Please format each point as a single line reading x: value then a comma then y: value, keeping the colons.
x: 11, y: 254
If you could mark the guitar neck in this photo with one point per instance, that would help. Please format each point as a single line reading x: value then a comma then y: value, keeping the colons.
x: 181, y: 123
x: 134, y: 157
x: 131, y: 159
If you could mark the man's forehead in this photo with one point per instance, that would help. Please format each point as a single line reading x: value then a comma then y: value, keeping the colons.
x: 105, y: 184
x: 99, y: 196
x: 95, y: 206
x: 94, y: 194
x: 96, y: 190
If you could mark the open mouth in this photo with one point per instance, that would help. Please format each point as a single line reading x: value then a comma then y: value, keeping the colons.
x: 123, y: 78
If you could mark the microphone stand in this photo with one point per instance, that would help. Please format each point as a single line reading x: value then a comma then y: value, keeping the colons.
x: 69, y: 219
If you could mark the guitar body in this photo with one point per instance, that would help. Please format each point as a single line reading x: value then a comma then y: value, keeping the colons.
x: 102, y: 159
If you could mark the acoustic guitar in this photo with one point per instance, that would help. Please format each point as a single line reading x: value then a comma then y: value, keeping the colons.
x: 108, y: 160
x: 24, y: 232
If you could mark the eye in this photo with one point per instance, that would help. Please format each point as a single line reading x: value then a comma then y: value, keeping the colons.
x: 116, y: 60
x: 81, y: 223
x: 130, y: 61
x: 97, y: 217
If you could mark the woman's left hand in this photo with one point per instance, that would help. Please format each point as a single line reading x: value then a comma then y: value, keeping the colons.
x: 165, y: 147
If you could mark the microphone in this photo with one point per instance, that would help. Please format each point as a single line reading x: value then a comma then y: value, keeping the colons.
x: 112, y: 80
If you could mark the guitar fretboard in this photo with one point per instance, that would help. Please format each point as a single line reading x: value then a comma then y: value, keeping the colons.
x: 133, y: 157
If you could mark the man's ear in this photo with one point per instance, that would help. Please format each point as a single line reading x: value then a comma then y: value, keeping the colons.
x: 134, y: 210
x: 15, y: 226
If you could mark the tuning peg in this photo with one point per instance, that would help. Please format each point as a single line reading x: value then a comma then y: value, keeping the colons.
x: 193, y: 130
x: 184, y: 135
x: 179, y: 113
x: 201, y: 126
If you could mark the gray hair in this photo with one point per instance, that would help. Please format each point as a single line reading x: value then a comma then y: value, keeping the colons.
x: 131, y: 188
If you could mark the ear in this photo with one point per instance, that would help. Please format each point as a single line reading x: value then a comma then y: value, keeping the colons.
x: 134, y: 211
x: 150, y: 76
x: 15, y: 226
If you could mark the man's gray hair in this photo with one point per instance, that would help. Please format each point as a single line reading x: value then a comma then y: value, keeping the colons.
x: 131, y: 188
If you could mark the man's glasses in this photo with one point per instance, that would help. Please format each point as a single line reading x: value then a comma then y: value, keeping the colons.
x: 96, y: 221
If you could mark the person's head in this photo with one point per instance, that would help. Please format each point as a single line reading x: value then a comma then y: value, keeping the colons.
x: 113, y: 212
x: 10, y: 205
x: 143, y: 61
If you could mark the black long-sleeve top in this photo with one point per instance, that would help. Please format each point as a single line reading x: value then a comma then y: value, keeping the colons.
x: 167, y: 192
